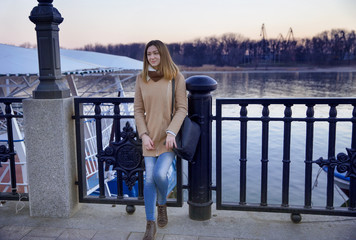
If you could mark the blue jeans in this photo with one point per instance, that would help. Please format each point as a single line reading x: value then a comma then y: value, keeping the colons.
x: 156, y: 184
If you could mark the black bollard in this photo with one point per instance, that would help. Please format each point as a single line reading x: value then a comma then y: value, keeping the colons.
x: 200, y: 173
x: 47, y: 18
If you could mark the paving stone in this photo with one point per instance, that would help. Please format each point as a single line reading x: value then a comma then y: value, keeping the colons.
x: 136, y: 236
x: 13, y: 232
x: 37, y: 238
x: 215, y: 238
x: 111, y: 234
x: 77, y: 234
x: 248, y: 238
x: 139, y: 236
x: 179, y: 237
x: 48, y: 232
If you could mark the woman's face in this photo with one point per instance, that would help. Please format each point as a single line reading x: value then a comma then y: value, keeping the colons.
x: 153, y: 57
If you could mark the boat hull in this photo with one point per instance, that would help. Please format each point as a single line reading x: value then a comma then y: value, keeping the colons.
x: 341, y: 181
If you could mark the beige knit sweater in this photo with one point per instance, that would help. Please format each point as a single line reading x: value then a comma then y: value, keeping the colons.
x: 152, y: 109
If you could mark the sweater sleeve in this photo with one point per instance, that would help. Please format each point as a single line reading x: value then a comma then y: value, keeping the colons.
x: 139, y: 109
x: 181, y: 104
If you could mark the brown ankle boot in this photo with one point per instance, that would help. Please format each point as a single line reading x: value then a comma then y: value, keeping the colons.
x: 151, y: 230
x: 162, y: 218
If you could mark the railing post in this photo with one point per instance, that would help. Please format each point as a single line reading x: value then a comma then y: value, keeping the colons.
x: 49, y: 128
x: 200, y: 173
x: 47, y: 18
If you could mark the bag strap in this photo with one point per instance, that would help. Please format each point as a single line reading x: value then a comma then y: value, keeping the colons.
x: 173, y: 87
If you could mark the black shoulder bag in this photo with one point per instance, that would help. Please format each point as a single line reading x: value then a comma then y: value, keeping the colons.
x: 188, y: 136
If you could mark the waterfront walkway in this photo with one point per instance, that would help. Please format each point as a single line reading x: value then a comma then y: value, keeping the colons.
x: 106, y: 222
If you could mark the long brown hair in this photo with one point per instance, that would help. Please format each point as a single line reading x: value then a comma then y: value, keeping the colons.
x: 166, y: 66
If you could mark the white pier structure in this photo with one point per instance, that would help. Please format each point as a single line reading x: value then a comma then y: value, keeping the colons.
x: 89, y: 74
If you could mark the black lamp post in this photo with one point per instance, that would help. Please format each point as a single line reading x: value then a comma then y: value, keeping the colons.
x: 47, y: 18
x: 199, y: 173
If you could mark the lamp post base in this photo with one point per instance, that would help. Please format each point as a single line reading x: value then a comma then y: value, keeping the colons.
x: 200, y: 211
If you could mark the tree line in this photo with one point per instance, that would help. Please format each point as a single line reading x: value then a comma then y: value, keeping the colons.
x: 334, y: 47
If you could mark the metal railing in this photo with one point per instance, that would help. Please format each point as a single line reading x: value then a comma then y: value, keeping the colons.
x: 200, y: 185
x: 10, y: 169
x: 122, y: 153
x: 265, y: 119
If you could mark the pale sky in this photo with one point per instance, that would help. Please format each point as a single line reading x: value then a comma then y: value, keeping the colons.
x: 128, y: 21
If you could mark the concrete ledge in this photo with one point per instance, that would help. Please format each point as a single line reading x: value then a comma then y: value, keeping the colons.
x: 50, y: 147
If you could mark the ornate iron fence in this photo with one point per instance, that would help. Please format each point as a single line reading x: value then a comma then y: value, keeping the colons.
x: 343, y: 162
x: 123, y: 153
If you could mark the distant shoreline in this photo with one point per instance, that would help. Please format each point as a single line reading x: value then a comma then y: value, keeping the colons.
x: 211, y: 68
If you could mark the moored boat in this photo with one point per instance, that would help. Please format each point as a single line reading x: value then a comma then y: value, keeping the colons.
x: 341, y: 181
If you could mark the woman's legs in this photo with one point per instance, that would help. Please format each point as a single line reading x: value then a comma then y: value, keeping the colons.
x: 156, y: 182
x: 149, y: 189
x: 164, y: 161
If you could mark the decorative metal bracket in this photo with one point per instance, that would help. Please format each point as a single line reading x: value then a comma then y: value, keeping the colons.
x: 125, y: 156
x: 343, y: 162
x: 5, y: 154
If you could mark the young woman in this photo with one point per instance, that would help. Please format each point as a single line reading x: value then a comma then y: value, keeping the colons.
x: 157, y: 127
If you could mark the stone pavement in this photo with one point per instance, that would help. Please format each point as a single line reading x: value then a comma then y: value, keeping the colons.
x: 106, y: 222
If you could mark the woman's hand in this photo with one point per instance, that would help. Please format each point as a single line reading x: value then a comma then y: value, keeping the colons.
x: 170, y: 141
x: 147, y: 142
